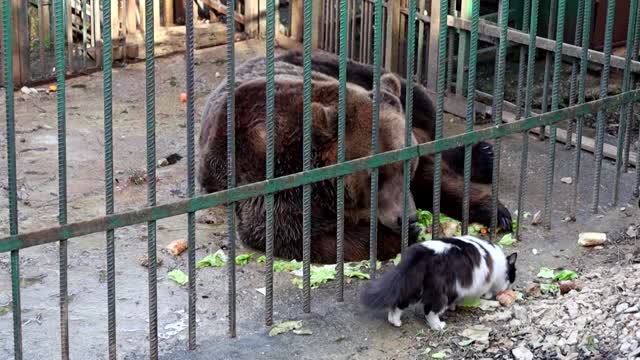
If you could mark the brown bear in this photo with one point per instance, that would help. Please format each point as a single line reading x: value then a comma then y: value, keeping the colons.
x: 423, y: 111
x: 250, y: 161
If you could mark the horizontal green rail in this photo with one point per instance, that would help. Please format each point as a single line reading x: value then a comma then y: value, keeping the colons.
x: 261, y: 188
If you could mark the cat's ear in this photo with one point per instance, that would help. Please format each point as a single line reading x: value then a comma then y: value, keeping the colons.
x: 511, y: 259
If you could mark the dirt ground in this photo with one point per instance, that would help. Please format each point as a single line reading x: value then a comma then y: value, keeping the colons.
x: 340, y: 330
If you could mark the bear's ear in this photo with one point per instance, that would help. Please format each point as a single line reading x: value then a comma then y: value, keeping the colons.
x: 323, y: 120
x: 391, y: 84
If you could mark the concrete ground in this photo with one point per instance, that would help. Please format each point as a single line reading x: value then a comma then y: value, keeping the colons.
x: 340, y: 330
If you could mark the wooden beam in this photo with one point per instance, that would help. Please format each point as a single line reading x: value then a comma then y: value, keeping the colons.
x: 317, y: 20
x: 115, y: 19
x: 297, y: 15
x: 251, y: 12
x: 20, y: 48
x: 391, y: 52
x: 168, y: 13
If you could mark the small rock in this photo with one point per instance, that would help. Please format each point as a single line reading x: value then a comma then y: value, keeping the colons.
x: 177, y: 247
x: 533, y: 290
x: 506, y: 298
x: 621, y: 308
x: 568, y: 285
x: 567, y: 180
x: 217, y: 74
x: 537, y: 218
x: 632, y: 310
x: 144, y: 260
x: 534, y: 251
x: 632, y: 231
x: 573, y: 309
x: 589, y: 239
x: 625, y: 348
x: 522, y: 353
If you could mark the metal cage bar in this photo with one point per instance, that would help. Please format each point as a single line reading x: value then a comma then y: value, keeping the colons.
x: 406, y: 180
x: 306, y: 159
x: 342, y: 109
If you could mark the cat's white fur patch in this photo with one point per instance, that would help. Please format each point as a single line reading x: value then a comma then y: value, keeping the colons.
x: 436, y: 246
x: 497, y: 280
x: 434, y: 321
x: 394, y: 317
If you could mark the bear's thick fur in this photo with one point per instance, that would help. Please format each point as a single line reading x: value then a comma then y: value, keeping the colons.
x: 423, y: 111
x: 250, y: 108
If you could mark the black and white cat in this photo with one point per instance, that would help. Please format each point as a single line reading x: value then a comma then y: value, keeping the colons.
x: 440, y: 274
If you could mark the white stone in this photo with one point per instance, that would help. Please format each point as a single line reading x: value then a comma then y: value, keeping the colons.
x: 589, y: 239
x: 522, y: 353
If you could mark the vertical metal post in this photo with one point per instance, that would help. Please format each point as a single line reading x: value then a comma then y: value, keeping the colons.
x: 604, y: 86
x: 547, y: 66
x: 108, y: 176
x: 270, y: 163
x: 375, y: 146
x: 11, y: 176
x: 441, y: 17
x: 586, y: 39
x: 466, y: 12
x: 406, y: 180
x: 306, y: 157
x: 191, y: 176
x: 531, y: 62
x: 573, y: 87
x: 521, y: 62
x: 231, y: 161
x: 151, y: 177
x: 625, y: 109
x: 631, y: 113
x: 498, y: 101
x: 471, y: 92
x: 342, y: 108
x: 62, y: 175
x: 555, y: 104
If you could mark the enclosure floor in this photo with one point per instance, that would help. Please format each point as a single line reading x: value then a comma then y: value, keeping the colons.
x: 340, y: 330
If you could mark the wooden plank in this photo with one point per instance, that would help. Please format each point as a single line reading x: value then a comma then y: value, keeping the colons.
x: 131, y: 17
x: 262, y: 18
x: 434, y: 35
x: 318, y: 19
x: 20, y: 42
x: 297, y: 16
x: 392, y: 45
x: 168, y: 13
x: 115, y: 22
x: 251, y: 16
x: 96, y: 32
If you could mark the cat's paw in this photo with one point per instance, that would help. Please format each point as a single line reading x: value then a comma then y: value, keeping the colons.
x: 437, y: 326
x: 394, y: 318
x: 452, y: 307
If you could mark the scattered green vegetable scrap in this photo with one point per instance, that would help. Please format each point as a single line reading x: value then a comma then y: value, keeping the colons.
x: 286, y: 266
x: 507, y: 240
x: 565, y: 275
x: 439, y: 355
x: 396, y: 260
x: 178, y: 276
x: 287, y: 326
x: 217, y: 259
x: 262, y: 259
x: 549, y: 288
x: 553, y: 287
x: 243, y: 259
x: 353, y: 270
x: 546, y: 273
x: 319, y: 275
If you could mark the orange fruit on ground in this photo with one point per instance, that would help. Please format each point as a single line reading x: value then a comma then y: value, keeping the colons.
x: 183, y: 97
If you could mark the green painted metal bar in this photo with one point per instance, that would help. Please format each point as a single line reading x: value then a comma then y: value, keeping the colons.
x: 440, y: 91
x: 466, y: 12
x: 631, y: 113
x: 342, y: 109
x: 191, y: 176
x: 231, y: 162
x: 547, y: 64
x: 626, y: 108
x: 573, y: 87
x: 25, y: 240
x: 600, y: 120
x: 498, y: 102
x: 107, y: 65
x: 521, y: 61
x: 582, y: 84
x: 451, y: 38
x: 62, y: 174
x: 375, y: 146
x: 555, y: 104
x: 151, y: 177
x: 406, y: 179
x: 471, y: 92
x: 529, y: 93
x: 7, y: 46
x: 270, y: 102
x: 306, y: 158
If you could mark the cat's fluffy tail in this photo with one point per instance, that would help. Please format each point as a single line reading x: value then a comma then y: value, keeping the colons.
x: 400, y: 283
